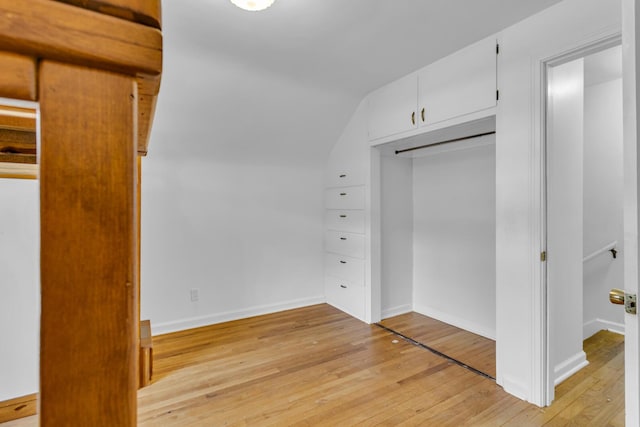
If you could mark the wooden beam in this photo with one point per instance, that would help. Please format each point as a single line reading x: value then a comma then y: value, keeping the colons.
x: 148, y: 88
x: 17, y: 76
x: 89, y: 329
x: 16, y: 141
x: 53, y: 30
x: 141, y: 11
x: 18, y: 171
x: 16, y: 118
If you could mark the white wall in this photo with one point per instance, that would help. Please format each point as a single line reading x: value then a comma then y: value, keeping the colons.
x: 519, y: 272
x: 19, y: 287
x: 454, y: 237
x: 233, y: 192
x: 396, y: 188
x: 603, y: 208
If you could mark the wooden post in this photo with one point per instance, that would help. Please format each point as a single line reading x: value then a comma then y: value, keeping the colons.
x: 89, y: 320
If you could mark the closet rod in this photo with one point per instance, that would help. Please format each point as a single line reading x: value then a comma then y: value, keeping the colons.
x: 446, y: 142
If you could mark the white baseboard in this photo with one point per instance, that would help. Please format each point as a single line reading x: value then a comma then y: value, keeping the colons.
x: 513, y: 387
x: 396, y: 311
x: 564, y: 370
x: 211, y: 319
x: 593, y: 326
x: 456, y: 321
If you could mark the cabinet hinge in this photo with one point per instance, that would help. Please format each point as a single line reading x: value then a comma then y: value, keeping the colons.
x: 497, y: 95
x: 543, y: 256
x: 497, y: 49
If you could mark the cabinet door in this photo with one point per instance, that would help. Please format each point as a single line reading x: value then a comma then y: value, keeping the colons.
x: 461, y: 83
x: 392, y: 108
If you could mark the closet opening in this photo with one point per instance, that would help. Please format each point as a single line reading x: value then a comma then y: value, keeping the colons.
x: 438, y: 229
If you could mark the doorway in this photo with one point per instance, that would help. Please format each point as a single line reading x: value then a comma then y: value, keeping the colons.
x: 584, y: 207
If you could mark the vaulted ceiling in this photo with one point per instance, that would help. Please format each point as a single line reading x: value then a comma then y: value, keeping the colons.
x: 288, y: 78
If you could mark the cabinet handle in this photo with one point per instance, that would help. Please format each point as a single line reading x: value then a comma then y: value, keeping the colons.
x: 342, y: 176
x: 413, y: 118
x: 343, y: 286
x: 343, y: 238
x: 422, y: 114
x: 343, y: 262
x: 343, y: 216
x: 343, y: 194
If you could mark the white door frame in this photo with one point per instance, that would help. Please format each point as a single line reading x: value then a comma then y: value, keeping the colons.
x: 631, y: 97
x: 548, y: 383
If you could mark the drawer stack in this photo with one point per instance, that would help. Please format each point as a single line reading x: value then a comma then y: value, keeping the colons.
x: 344, y: 243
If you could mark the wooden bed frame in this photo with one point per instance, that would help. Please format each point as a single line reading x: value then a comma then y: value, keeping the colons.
x: 93, y: 67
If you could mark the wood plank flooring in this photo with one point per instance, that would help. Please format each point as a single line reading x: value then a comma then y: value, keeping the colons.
x: 471, y: 349
x: 316, y: 366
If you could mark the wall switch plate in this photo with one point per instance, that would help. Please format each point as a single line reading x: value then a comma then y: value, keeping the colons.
x: 194, y: 294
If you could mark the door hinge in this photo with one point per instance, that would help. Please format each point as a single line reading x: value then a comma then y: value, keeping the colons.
x: 543, y: 256
x: 497, y: 49
x: 497, y: 95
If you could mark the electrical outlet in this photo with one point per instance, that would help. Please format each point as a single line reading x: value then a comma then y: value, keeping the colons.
x: 194, y: 294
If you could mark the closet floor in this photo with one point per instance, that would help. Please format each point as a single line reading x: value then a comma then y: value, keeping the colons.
x: 466, y: 347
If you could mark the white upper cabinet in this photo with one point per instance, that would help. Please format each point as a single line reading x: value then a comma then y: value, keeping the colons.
x: 459, y: 84
x: 392, y: 108
x: 448, y: 92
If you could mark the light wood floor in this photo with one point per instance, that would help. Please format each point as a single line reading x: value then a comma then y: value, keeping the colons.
x: 464, y: 346
x: 319, y: 367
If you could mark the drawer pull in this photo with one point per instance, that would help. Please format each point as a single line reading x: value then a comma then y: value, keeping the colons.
x: 343, y: 194
x: 342, y: 176
x: 343, y: 238
x: 343, y: 216
x: 343, y: 286
x: 343, y: 262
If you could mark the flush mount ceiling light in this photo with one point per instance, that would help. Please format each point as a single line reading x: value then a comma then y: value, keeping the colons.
x: 253, y: 5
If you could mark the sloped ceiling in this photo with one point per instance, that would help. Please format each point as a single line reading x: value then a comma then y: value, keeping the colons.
x: 288, y: 78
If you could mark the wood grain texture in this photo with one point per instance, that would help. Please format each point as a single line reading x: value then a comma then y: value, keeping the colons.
x: 17, y: 408
x: 18, y: 170
x: 317, y: 366
x: 146, y: 353
x: 467, y: 347
x: 17, y: 76
x: 145, y: 12
x: 89, y: 309
x: 17, y: 146
x: 16, y: 118
x: 146, y: 112
x: 53, y: 30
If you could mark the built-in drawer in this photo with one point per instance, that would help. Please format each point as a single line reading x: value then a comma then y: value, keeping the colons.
x: 342, y: 172
x: 344, y: 197
x: 351, y: 221
x: 345, y: 296
x: 343, y: 243
x: 344, y: 267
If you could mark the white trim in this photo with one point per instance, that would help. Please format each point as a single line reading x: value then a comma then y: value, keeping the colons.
x: 596, y: 325
x: 211, y: 319
x: 455, y: 321
x: 515, y: 388
x: 396, y: 311
x: 569, y: 367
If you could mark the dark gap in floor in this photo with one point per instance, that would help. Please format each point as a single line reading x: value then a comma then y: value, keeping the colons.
x: 436, y: 352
